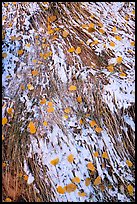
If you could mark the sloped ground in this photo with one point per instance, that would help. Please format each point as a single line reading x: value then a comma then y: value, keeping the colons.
x: 68, y: 101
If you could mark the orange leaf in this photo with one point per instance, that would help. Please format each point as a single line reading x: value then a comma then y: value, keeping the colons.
x: 101, y: 31
x: 20, y: 52
x: 34, y: 72
x: 25, y: 177
x: 4, y: 121
x: 32, y: 128
x: 79, y: 99
x: 105, y: 155
x: 132, y: 43
x: 95, y: 154
x: 72, y: 88
x: 130, y: 189
x: 50, y: 109
x: 52, y: 18
x: 84, y: 26
x: 129, y: 163
x: 30, y: 87
x: 65, y: 34
x: 87, y: 181
x: 50, y: 104
x: 97, y: 181
x: 112, y: 44
x: 10, y: 111
x: 54, y: 161
x: 8, y: 200
x: 70, y: 158
x: 82, y: 194
x: 91, y: 25
x: 110, y: 68
x: 123, y: 74
x: 114, y: 29
x: 90, y: 30
x: 28, y: 45
x: 43, y: 101
x: 3, y: 137
x: 118, y: 37
x: 45, y: 123
x: 98, y: 129
x: 67, y: 110
x: 90, y: 166
x: 78, y: 50
x: 76, y: 180
x: 81, y: 122
x: 61, y: 190
x: 92, y: 123
x: 119, y: 60
x: 71, y: 49
x: 70, y: 187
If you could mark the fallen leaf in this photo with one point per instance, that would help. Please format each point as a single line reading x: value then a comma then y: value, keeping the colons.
x: 66, y: 116
x: 34, y: 72
x: 78, y: 50
x: 34, y: 60
x: 65, y: 34
x: 98, y: 129
x: 132, y: 43
x: 4, y: 164
x: 72, y: 88
x: 84, y: 26
x: 129, y: 163
x: 110, y: 68
x: 50, y: 104
x: 52, y: 19
x: 117, y: 37
x: 45, y: 123
x: 91, y: 25
x: 101, y: 31
x: 32, y: 128
x: 79, y: 99
x: 119, y: 60
x: 70, y: 158
x: 43, y: 101
x: 50, y: 109
x: 81, y: 122
x: 25, y: 177
x: 114, y: 29
x: 4, y: 121
x: 54, y: 162
x: 112, y: 44
x: 87, y: 181
x: 10, y: 111
x: 122, y: 74
x: 90, y: 166
x: 97, y: 181
x: 76, y: 180
x: 67, y: 110
x: 105, y: 155
x: 130, y: 189
x: 30, y: 87
x: 70, y: 187
x: 82, y: 194
x: 71, y: 49
x: 20, y: 52
x: 4, y: 55
x: 3, y: 137
x: 61, y: 190
x: 27, y: 45
x: 91, y: 30
x: 95, y: 154
x: 92, y: 123
x: 8, y: 200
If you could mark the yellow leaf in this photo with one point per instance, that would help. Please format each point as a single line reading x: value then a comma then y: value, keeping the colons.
x: 129, y: 163
x: 66, y: 116
x: 14, y: 3
x: 8, y: 200
x: 54, y: 162
x: 76, y: 180
x: 65, y: 34
x: 98, y: 129
x: 20, y: 175
x: 119, y: 60
x: 82, y: 194
x: 43, y: 101
x: 132, y: 43
x: 71, y: 49
x: 133, y: 12
x: 67, y: 110
x: 70, y: 158
x: 130, y: 189
x: 20, y: 52
x: 71, y: 187
x: 50, y: 104
x: 118, y: 37
x: 4, y: 121
x: 50, y: 31
x: 34, y: 60
x: 30, y: 87
x: 79, y: 99
x: 90, y: 166
x: 112, y: 44
x: 95, y: 42
x: 28, y: 45
x: 32, y: 128
x: 34, y: 72
x: 6, y: 4
x: 91, y: 25
x: 25, y: 177
x: 95, y: 154
x: 110, y: 68
x: 45, y: 123
x: 61, y: 190
x: 72, y: 88
x: 10, y: 111
x: 92, y: 123
x: 122, y: 74
x: 13, y: 38
x: 101, y: 31
x: 105, y: 155
x: 87, y: 181
x: 114, y: 29
x: 50, y: 109
x: 4, y: 55
x: 78, y: 50
x: 97, y: 181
